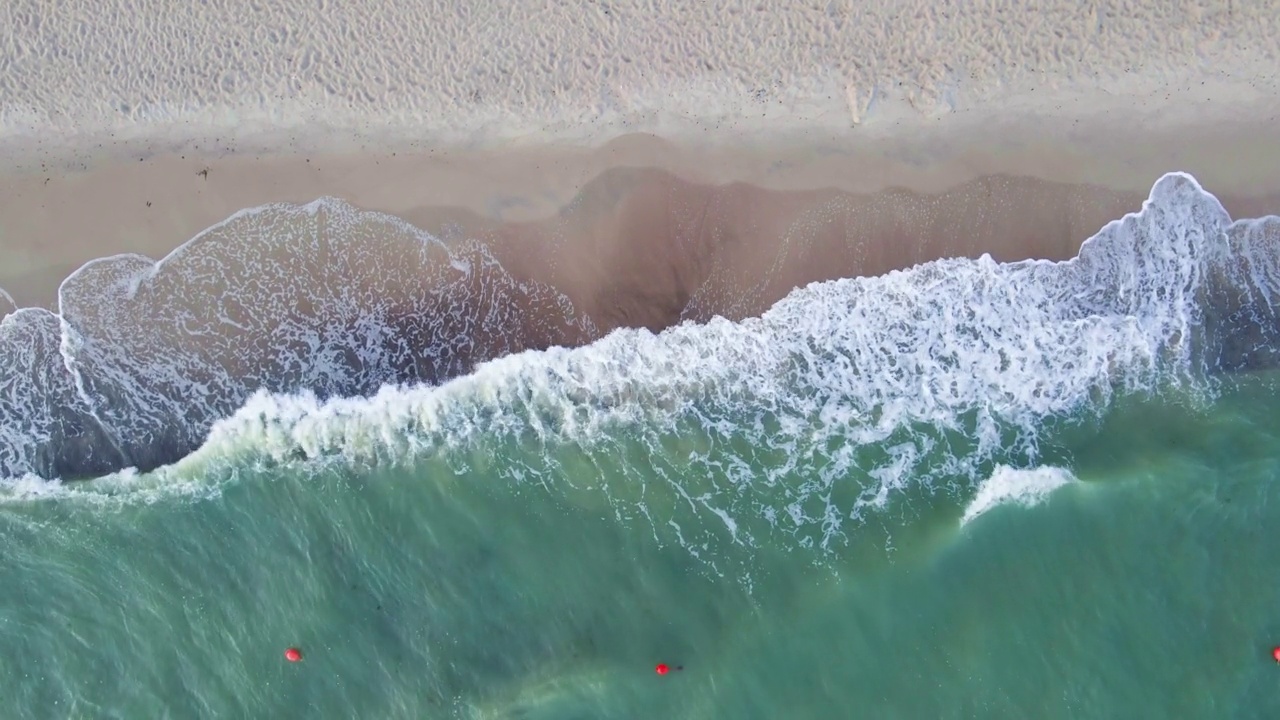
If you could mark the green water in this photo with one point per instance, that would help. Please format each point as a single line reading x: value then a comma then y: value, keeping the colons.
x: 1148, y: 589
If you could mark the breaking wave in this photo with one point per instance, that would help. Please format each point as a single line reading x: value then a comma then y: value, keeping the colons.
x: 1011, y: 486
x: 303, y: 349
x: 145, y: 356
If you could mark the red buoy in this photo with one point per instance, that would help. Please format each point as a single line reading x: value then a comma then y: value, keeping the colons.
x: 1275, y: 653
x: 662, y: 668
x: 293, y: 654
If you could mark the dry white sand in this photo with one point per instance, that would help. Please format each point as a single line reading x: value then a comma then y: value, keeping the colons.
x: 224, y: 72
x: 111, y: 110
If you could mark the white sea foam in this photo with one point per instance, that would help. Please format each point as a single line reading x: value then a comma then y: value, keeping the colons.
x: 144, y: 356
x: 1013, y: 486
x: 127, y: 487
x: 845, y: 391
x: 836, y: 399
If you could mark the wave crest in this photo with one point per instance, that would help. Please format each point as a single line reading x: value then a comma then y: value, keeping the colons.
x: 1013, y: 486
x: 842, y: 393
x: 323, y: 298
x: 792, y: 422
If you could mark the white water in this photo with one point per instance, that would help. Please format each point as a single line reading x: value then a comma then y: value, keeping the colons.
x: 1014, y: 486
x: 144, y: 356
x: 842, y: 395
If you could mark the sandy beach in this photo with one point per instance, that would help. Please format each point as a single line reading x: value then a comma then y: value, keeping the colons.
x: 617, y: 359
x: 634, y: 229
x: 895, y: 121
x: 240, y: 196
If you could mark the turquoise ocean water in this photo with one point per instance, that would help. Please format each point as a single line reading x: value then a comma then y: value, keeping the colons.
x: 964, y: 490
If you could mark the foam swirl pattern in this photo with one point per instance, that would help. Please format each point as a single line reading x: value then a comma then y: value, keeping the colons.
x: 351, y: 337
x: 144, y: 356
x: 839, y: 397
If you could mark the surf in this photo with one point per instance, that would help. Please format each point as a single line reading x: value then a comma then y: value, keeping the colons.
x: 794, y: 424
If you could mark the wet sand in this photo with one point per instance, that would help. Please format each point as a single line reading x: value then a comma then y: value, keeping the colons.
x: 653, y: 161
x: 644, y: 231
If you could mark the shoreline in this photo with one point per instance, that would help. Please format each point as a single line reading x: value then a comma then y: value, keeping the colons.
x: 139, y: 135
x: 54, y: 222
x: 702, y: 160
x: 898, y: 112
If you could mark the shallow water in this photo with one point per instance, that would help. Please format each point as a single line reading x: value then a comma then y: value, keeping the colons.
x: 1146, y: 587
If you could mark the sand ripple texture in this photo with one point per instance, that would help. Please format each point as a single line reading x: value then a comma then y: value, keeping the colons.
x: 472, y: 70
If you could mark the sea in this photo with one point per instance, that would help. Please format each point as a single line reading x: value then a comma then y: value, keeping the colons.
x: 965, y: 489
